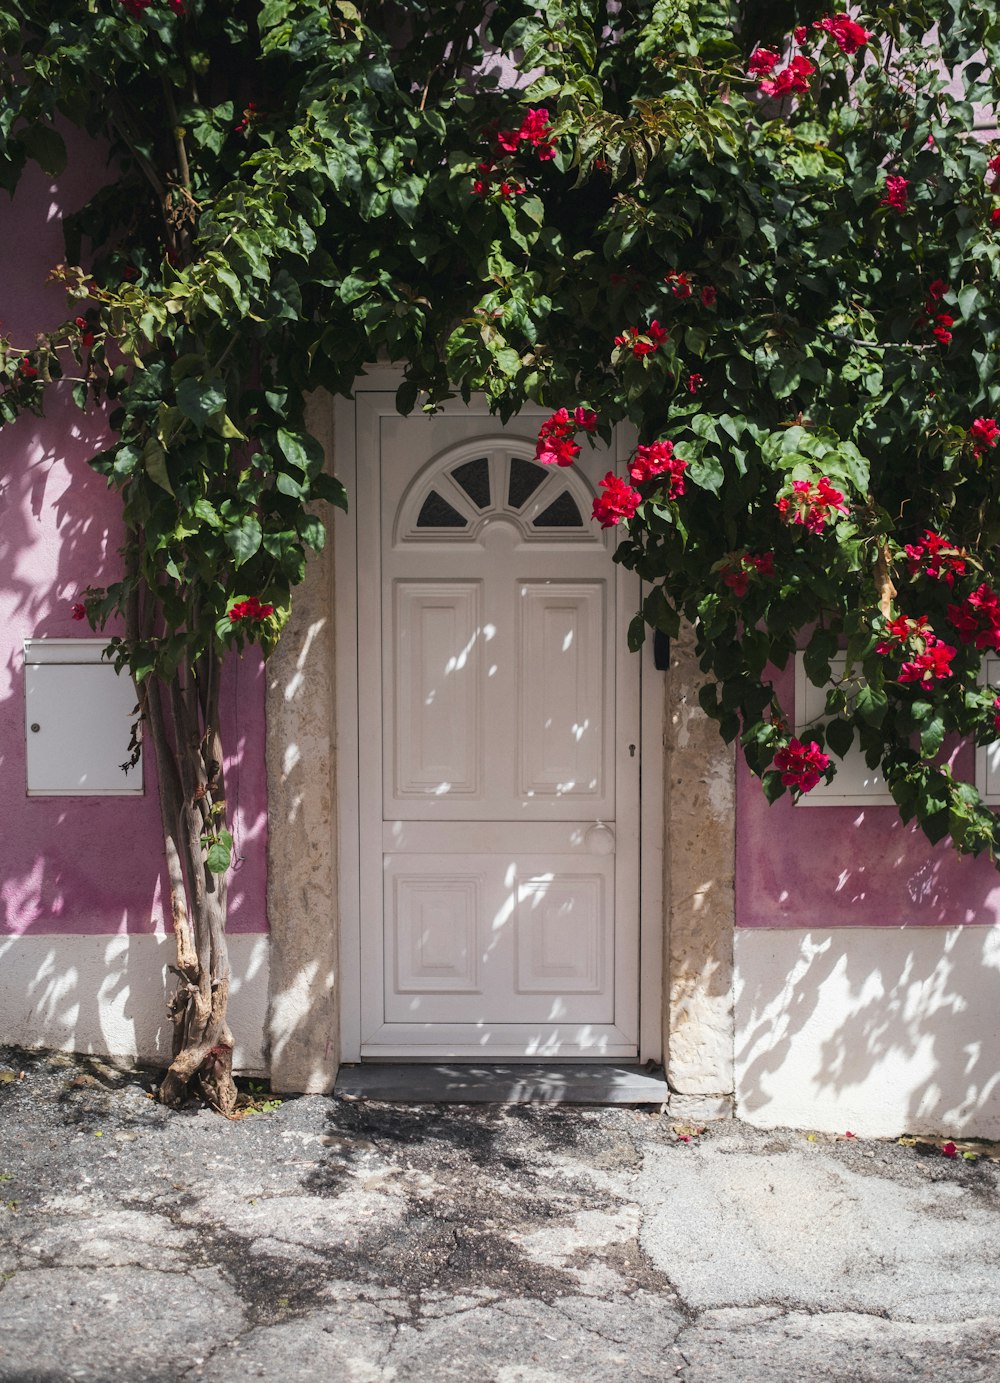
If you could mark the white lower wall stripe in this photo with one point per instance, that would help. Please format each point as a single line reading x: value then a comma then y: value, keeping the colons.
x: 107, y: 995
x: 880, y: 1031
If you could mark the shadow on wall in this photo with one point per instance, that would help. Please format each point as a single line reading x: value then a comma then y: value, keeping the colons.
x: 876, y: 1030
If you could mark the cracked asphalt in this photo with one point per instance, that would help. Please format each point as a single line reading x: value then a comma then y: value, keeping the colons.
x: 530, y: 1244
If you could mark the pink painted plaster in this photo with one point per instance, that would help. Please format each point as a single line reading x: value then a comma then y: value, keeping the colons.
x: 85, y: 865
x: 803, y: 867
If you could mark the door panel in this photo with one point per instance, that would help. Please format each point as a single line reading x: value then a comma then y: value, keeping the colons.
x: 500, y: 856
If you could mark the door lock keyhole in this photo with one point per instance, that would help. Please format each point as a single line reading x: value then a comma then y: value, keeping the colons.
x: 631, y: 751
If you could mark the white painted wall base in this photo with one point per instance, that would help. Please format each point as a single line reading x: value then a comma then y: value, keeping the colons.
x: 107, y: 995
x: 880, y: 1031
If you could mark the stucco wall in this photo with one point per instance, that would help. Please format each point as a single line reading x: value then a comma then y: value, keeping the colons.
x: 77, y: 869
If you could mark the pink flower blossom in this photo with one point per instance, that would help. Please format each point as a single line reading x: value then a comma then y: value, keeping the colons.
x: 656, y: 461
x: 618, y: 502
x: 901, y: 630
x: 695, y: 381
x: 708, y: 295
x: 78, y: 611
x: 949, y: 1149
x: 995, y: 216
x: 800, y: 33
x: 849, y: 35
x: 801, y: 765
x: 679, y: 284
x: 896, y: 193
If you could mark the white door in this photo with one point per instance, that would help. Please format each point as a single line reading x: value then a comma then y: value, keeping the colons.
x: 498, y: 747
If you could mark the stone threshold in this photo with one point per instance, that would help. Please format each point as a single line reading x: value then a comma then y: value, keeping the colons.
x: 481, y: 1083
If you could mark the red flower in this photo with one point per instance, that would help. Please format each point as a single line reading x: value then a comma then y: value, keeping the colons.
x: 78, y: 611
x: 251, y: 610
x: 792, y: 79
x: 949, y: 1149
x: 937, y: 290
x: 738, y: 571
x: 695, y: 381
x: 800, y: 34
x: 995, y: 216
x: 850, y: 36
x: 984, y: 433
x: 618, y: 502
x: 643, y: 342
x: 994, y: 165
x: 555, y: 436
x: 535, y: 131
x: 977, y: 619
x: 708, y: 295
x: 930, y: 665
x: 936, y: 557
x: 801, y: 765
x: 904, y: 628
x: 763, y: 61
x: 135, y: 7
x: 811, y: 505
x: 896, y: 193
x: 26, y: 370
x: 249, y: 116
x: 680, y: 284
x: 86, y: 335
x: 656, y: 460
x: 996, y: 715
x: 178, y: 7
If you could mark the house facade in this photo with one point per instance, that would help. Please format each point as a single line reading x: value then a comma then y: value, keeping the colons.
x: 469, y: 825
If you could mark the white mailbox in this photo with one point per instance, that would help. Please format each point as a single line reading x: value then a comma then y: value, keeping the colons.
x: 855, y: 784
x: 78, y: 717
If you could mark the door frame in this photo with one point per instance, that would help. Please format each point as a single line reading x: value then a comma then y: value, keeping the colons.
x: 382, y: 379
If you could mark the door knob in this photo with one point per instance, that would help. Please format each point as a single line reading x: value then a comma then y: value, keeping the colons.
x: 600, y: 839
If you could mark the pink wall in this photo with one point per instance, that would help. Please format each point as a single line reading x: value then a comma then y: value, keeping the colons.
x: 850, y: 866
x: 86, y: 865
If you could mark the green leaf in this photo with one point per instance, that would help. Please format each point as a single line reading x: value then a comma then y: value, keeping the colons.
x: 47, y: 147
x: 200, y: 400
x: 243, y: 539
x: 219, y: 853
x: 636, y: 633
x: 154, y: 460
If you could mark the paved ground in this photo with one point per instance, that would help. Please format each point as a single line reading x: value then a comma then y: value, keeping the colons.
x: 382, y: 1244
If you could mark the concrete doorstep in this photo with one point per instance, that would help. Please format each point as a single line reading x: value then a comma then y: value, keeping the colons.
x: 374, y: 1242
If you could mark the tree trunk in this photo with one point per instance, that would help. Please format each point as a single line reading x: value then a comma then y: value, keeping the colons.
x: 184, y: 727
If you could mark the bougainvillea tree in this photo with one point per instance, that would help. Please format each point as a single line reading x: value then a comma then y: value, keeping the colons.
x: 766, y: 237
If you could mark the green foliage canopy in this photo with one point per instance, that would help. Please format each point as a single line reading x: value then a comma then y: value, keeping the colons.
x: 799, y: 263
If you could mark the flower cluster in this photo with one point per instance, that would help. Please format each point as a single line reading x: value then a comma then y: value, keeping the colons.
x: 984, y: 433
x: 248, y: 119
x: 930, y: 657
x: 618, y: 502
x: 738, y: 571
x: 643, y: 342
x: 943, y: 321
x: 657, y: 461
x: 86, y: 335
x: 849, y: 35
x: 78, y: 610
x: 812, y: 505
x: 682, y: 287
x: 977, y: 618
x: 27, y: 369
x: 789, y: 81
x: 535, y: 131
x: 801, y: 765
x: 896, y: 193
x: 250, y: 610
x: 936, y: 557
x: 556, y: 443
